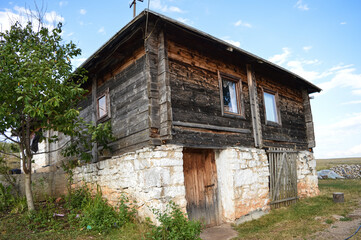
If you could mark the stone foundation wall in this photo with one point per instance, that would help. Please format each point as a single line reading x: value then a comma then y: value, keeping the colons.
x: 243, y: 178
x: 150, y: 176
x: 153, y: 176
x: 307, y: 181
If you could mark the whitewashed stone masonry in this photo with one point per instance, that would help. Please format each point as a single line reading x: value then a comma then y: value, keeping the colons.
x: 307, y: 181
x: 150, y: 176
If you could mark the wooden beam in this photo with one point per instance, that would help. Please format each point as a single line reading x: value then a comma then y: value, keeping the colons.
x: 211, y: 127
x: 256, y: 119
x: 308, y: 119
x: 165, y: 109
x: 94, y: 117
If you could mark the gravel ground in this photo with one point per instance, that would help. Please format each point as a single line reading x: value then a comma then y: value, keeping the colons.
x: 342, y: 229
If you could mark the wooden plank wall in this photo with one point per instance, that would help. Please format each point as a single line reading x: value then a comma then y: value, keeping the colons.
x: 195, y: 97
x: 129, y: 106
x: 195, y: 100
x: 292, y: 132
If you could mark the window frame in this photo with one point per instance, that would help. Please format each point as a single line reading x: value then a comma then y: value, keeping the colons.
x: 106, y: 116
x: 239, y: 95
x: 278, y: 112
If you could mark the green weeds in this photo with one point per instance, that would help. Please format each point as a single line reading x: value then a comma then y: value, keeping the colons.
x: 83, y: 215
x: 175, y: 225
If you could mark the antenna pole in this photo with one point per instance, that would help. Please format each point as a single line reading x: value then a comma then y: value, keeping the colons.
x: 134, y: 2
x: 134, y: 9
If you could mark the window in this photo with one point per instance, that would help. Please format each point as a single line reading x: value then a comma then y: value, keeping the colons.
x: 103, y: 109
x: 230, y: 92
x: 270, y: 105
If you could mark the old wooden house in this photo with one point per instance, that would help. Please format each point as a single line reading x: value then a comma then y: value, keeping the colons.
x: 225, y: 134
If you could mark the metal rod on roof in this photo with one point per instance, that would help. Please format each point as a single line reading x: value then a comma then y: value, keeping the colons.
x: 134, y: 2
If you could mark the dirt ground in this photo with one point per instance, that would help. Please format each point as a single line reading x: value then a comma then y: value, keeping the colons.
x: 339, y: 230
x: 342, y: 229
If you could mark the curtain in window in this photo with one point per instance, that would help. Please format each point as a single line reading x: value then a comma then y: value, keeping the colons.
x: 230, y: 96
x: 232, y: 90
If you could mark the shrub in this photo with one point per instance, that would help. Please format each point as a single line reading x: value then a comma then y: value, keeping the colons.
x: 94, y: 213
x: 6, y: 198
x: 175, y: 225
x: 77, y: 198
x: 44, y: 216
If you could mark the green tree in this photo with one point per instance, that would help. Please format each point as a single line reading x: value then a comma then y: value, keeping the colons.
x: 39, y: 89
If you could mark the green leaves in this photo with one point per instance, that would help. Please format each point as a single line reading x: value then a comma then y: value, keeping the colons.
x: 38, y: 86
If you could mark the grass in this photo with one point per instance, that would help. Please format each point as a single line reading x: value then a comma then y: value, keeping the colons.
x: 81, y: 215
x: 17, y: 226
x: 307, y: 216
x: 328, y: 163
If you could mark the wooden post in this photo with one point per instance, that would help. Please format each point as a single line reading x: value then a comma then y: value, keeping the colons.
x: 308, y: 119
x: 338, y: 197
x: 256, y: 121
x: 94, y: 117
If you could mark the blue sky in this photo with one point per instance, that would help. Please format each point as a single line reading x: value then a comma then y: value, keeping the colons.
x: 318, y: 40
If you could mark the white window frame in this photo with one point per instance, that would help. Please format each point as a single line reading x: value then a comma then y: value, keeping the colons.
x: 107, y: 115
x: 275, y: 104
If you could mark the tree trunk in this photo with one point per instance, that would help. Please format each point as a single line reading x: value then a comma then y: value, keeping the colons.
x: 29, y: 192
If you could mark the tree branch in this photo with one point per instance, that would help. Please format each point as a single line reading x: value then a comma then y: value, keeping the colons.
x: 9, y: 138
x: 55, y: 150
x: 10, y: 154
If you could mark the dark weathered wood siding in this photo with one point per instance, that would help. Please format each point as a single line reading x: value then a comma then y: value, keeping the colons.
x: 128, y: 104
x: 291, y: 133
x: 195, y: 96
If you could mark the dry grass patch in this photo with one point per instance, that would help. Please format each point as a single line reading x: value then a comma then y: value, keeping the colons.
x: 328, y: 163
x: 307, y: 216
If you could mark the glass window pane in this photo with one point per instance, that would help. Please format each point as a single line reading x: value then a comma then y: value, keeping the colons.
x: 271, y: 110
x: 102, y: 106
x: 230, y: 97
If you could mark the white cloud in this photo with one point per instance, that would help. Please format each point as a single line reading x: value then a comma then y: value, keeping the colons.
x: 351, y: 102
x: 307, y: 48
x: 63, y: 3
x: 345, y: 77
x: 82, y: 11
x: 302, y: 6
x: 175, y: 9
x: 343, y: 23
x: 298, y: 67
x: 185, y: 20
x: 53, y: 17
x: 339, y: 135
x: 356, y: 92
x: 241, y: 23
x: 158, y: 5
x: 340, y: 66
x: 101, y: 30
x: 280, y: 58
x: 355, y: 150
x: 77, y: 62
x: 23, y: 15
x: 339, y: 76
x: 235, y: 43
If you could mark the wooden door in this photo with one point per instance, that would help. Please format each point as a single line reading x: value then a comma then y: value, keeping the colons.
x: 283, y: 176
x: 200, y: 179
